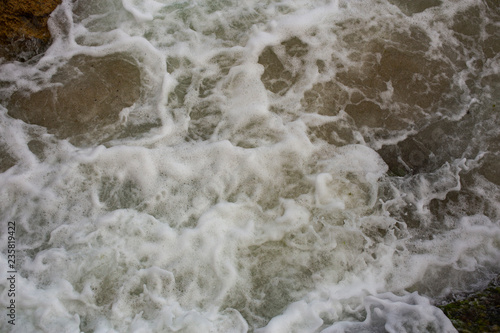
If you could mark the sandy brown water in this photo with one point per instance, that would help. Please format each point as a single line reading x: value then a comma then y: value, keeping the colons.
x: 427, y: 106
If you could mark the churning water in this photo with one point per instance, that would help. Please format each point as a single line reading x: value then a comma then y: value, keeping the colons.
x: 262, y: 166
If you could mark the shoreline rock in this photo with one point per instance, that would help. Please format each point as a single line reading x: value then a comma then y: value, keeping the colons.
x: 23, y: 28
x: 479, y: 312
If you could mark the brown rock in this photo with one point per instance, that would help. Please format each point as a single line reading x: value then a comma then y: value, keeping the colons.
x: 23, y: 27
x: 85, y: 99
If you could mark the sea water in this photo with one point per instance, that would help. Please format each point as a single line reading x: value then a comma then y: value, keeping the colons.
x: 251, y: 166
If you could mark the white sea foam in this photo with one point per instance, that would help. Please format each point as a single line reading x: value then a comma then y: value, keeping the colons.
x: 252, y: 186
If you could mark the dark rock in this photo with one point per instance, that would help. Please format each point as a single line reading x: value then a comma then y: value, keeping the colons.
x: 6, y: 160
x: 479, y: 312
x: 23, y: 27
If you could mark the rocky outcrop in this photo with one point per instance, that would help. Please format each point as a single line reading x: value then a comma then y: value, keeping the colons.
x: 23, y: 27
x: 478, y: 313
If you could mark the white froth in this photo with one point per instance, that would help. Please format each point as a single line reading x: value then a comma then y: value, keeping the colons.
x: 243, y: 193
x: 142, y: 10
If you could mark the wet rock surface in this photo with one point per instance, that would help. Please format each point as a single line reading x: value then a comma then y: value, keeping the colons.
x: 479, y: 312
x: 23, y: 27
x: 87, y: 96
x: 6, y: 160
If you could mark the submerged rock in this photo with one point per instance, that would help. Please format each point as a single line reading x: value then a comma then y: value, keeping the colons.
x: 6, y: 160
x: 84, y: 100
x: 479, y: 312
x: 23, y: 27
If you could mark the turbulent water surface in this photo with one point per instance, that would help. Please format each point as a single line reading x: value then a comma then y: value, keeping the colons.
x: 262, y: 166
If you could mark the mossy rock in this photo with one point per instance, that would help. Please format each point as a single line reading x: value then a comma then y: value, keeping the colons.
x: 480, y: 312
